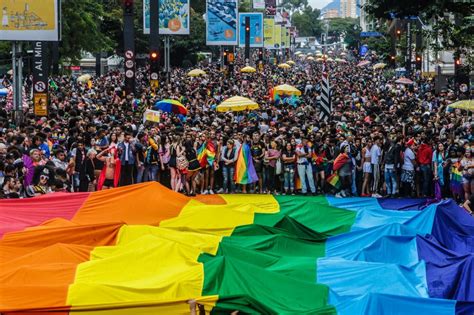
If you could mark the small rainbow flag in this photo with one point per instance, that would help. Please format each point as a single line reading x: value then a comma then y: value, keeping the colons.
x: 334, y: 181
x: 206, y: 153
x: 456, y: 180
x: 244, y: 169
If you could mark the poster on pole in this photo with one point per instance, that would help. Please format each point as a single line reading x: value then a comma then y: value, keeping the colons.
x: 221, y: 22
x: 26, y: 20
x: 256, y: 29
x: 151, y: 115
x: 174, y: 17
x: 277, y: 36
x: 268, y: 29
x: 259, y: 4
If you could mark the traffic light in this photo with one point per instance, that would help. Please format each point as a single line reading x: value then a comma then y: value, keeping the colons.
x: 224, y: 56
x: 392, y: 61
x: 260, y: 54
x: 398, y: 32
x: 128, y: 6
x: 154, y: 64
x: 418, y: 62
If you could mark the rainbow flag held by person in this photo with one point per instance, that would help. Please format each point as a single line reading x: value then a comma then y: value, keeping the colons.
x: 206, y: 154
x: 334, y: 181
x: 456, y: 180
x: 244, y: 169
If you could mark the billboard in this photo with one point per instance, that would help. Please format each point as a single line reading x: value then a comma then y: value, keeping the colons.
x: 174, y: 17
x: 221, y: 22
x: 256, y: 29
x: 26, y: 20
x: 268, y: 37
x: 259, y: 4
x: 277, y: 36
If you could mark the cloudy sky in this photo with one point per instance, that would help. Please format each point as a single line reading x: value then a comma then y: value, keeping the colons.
x: 319, y: 4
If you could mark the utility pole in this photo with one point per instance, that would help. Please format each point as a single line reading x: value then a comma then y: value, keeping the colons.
x: 129, y: 46
x: 154, y: 44
x: 17, y: 82
x: 247, y: 39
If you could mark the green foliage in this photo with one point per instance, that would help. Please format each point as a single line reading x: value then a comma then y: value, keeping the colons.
x: 81, y: 29
x: 307, y: 21
x: 347, y: 26
x: 451, y: 22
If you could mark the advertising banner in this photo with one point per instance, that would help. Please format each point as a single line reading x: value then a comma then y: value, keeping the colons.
x: 221, y: 22
x: 26, y: 20
x: 277, y: 36
x: 268, y: 37
x: 256, y: 29
x: 270, y: 7
x: 174, y: 17
x: 259, y: 4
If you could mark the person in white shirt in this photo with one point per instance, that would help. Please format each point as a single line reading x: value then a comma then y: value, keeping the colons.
x: 303, y: 153
x: 375, y: 155
x: 408, y: 169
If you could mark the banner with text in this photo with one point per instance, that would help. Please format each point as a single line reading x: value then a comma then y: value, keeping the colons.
x: 256, y: 29
x: 277, y: 36
x: 173, y: 17
x: 40, y: 78
x: 268, y: 29
x: 26, y: 20
x: 221, y: 22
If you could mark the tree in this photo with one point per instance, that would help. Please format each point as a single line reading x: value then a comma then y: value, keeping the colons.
x: 307, y: 21
x: 450, y: 22
x: 349, y: 27
x: 293, y: 6
x: 81, y: 29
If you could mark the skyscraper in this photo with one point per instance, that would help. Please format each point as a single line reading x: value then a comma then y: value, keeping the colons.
x: 348, y: 8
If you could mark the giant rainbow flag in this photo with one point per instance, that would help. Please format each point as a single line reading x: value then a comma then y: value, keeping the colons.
x: 143, y: 249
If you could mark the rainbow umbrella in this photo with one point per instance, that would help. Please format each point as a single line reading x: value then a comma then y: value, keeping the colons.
x: 170, y: 106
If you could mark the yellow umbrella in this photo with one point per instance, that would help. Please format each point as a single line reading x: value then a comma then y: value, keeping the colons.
x: 286, y: 89
x: 84, y: 78
x: 196, y: 73
x: 284, y: 66
x: 465, y: 104
x: 310, y: 58
x: 237, y: 104
x: 248, y: 69
x: 290, y: 62
x: 379, y: 65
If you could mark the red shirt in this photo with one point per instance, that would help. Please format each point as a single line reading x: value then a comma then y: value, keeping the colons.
x: 424, y: 155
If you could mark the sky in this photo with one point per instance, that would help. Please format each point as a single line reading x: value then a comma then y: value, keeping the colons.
x: 318, y: 4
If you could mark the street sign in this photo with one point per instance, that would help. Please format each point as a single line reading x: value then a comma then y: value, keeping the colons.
x: 129, y: 54
x: 154, y: 76
x: 129, y: 74
x: 41, y: 104
x: 40, y: 87
x: 129, y: 63
x: 154, y: 84
x: 370, y: 34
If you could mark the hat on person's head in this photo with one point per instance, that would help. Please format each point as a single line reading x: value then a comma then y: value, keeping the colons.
x: 410, y: 142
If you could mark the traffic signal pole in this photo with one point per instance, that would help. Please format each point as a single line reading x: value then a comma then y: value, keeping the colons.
x: 129, y: 46
x: 247, y: 39
x: 154, y: 43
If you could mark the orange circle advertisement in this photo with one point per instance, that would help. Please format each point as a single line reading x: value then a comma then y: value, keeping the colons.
x: 174, y: 25
x: 229, y: 33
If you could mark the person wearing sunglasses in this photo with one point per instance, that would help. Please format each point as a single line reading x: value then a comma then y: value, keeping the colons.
x: 41, y: 182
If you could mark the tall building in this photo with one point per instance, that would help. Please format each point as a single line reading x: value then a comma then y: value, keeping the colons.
x: 331, y: 14
x: 363, y: 17
x: 348, y: 8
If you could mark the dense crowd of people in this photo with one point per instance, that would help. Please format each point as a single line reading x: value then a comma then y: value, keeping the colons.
x: 383, y: 138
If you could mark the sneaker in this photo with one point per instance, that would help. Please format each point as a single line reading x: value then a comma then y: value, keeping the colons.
x: 220, y: 191
x: 210, y: 192
x: 205, y: 192
x: 338, y: 195
x: 343, y: 193
x: 375, y: 195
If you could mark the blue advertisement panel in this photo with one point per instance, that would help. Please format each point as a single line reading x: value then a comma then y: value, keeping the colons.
x: 256, y: 29
x: 221, y: 22
x: 174, y: 17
